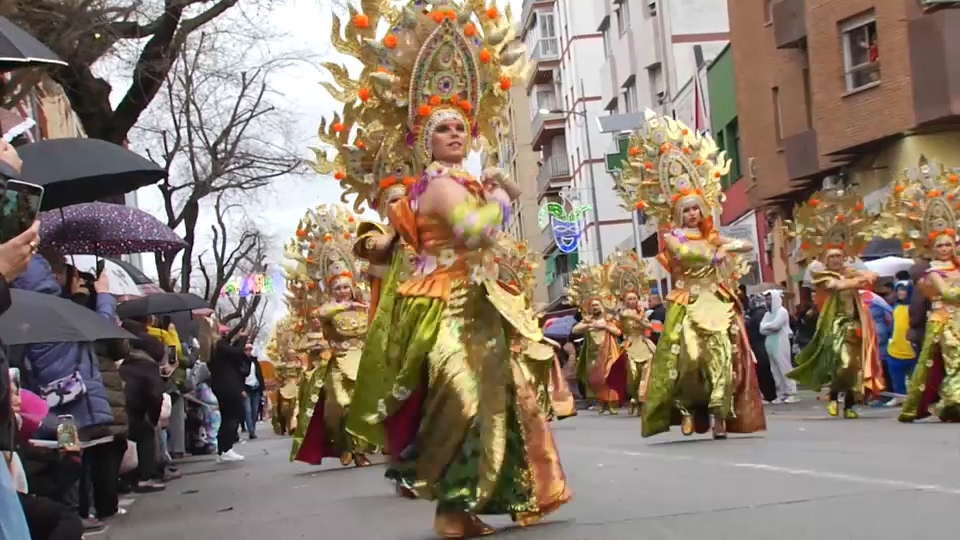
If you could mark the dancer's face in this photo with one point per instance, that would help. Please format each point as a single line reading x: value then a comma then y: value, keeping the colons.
x: 834, y: 260
x: 449, y: 141
x: 692, y: 216
x: 596, y: 308
x: 944, y: 248
x: 631, y: 300
x: 342, y: 290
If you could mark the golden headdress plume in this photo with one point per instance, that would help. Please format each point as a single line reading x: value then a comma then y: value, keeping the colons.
x: 923, y: 205
x: 831, y: 219
x: 333, y: 233
x: 590, y: 282
x: 670, y: 167
x: 516, y: 263
x: 302, y: 290
x: 438, y: 59
x: 628, y: 273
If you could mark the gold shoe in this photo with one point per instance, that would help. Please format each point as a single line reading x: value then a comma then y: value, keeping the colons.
x: 346, y: 458
x: 614, y: 410
x: 833, y: 408
x: 686, y: 425
x: 850, y: 414
x: 719, y: 429
x: 460, y: 525
x: 361, y: 460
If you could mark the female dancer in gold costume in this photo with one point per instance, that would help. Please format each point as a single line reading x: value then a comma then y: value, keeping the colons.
x: 923, y: 207
x: 468, y: 423
x: 342, y: 319
x: 832, y: 228
x: 601, y: 364
x: 703, y: 366
x: 628, y: 282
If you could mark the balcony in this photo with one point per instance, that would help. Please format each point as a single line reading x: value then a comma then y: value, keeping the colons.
x: 934, y: 55
x: 545, y: 59
x: 553, y: 175
x: 558, y: 288
x: 546, y: 125
x: 801, y: 154
x: 529, y: 9
x: 790, y: 23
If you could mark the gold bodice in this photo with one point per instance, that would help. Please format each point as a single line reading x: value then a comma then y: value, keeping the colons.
x: 344, y: 329
x: 632, y: 328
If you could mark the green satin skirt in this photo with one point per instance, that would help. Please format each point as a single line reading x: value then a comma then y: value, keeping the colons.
x: 311, y: 383
x: 834, y: 355
x: 941, y: 350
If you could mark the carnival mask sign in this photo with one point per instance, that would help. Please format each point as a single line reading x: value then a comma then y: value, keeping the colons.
x: 566, y: 220
x: 252, y: 285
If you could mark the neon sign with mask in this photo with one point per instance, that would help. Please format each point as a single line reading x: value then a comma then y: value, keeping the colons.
x: 565, y: 219
x: 252, y: 285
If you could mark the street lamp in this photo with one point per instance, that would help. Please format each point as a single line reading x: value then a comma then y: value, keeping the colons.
x: 593, y: 182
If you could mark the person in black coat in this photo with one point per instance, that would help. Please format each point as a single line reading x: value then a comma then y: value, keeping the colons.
x: 143, y: 391
x: 754, y: 315
x: 229, y: 367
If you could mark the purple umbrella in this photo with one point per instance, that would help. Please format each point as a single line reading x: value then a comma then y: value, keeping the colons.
x: 105, y: 229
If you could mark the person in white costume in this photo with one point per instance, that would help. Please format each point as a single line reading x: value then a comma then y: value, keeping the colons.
x: 776, y: 327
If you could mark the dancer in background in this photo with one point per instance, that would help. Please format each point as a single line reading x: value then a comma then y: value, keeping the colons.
x: 601, y: 364
x: 832, y: 228
x: 629, y: 281
x: 342, y: 319
x: 901, y: 354
x: 703, y: 367
x: 473, y: 437
x: 922, y: 206
x: 776, y: 327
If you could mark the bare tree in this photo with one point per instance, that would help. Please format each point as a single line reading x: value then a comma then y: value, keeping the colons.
x: 221, y: 136
x: 153, y: 32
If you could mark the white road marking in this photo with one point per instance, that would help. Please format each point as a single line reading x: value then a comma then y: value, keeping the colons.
x: 823, y: 475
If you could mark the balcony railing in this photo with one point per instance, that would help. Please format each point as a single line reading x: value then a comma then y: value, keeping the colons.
x: 547, y: 49
x: 539, y: 119
x: 789, y: 23
x: 558, y: 288
x: 554, y: 167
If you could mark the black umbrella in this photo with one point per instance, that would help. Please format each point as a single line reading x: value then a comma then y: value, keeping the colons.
x: 75, y: 170
x: 160, y: 304
x: 18, y: 49
x: 882, y: 247
x: 45, y: 318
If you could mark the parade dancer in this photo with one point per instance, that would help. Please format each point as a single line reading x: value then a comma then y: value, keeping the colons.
x: 341, y: 318
x: 923, y: 207
x: 473, y: 438
x: 703, y: 365
x: 601, y: 365
x: 832, y: 228
x: 629, y: 281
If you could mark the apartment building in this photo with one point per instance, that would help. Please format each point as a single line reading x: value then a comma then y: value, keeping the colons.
x: 841, y: 92
x: 564, y: 102
x: 518, y: 158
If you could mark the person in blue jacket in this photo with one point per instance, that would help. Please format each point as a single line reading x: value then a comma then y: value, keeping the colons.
x: 68, y: 376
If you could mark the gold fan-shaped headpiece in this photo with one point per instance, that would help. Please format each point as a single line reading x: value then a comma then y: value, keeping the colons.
x: 671, y: 167
x: 923, y: 206
x: 333, y: 233
x: 424, y: 62
x: 516, y: 263
x: 588, y: 283
x: 628, y: 273
x: 831, y: 220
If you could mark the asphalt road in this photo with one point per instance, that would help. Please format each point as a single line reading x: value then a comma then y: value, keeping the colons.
x: 809, y: 476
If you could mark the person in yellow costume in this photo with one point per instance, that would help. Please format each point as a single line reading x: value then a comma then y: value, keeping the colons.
x: 832, y: 228
x: 462, y: 414
x: 703, y: 368
x: 923, y: 207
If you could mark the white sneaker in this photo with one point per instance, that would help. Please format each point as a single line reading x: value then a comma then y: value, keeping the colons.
x: 791, y: 399
x: 777, y: 401
x: 229, y: 457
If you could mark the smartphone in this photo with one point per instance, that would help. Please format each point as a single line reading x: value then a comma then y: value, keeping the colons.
x: 15, y: 377
x: 101, y: 264
x: 19, y: 205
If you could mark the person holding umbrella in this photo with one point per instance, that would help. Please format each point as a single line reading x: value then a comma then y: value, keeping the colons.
x: 15, y: 256
x: 68, y: 376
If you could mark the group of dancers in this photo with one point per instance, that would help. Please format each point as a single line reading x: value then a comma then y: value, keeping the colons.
x: 417, y: 338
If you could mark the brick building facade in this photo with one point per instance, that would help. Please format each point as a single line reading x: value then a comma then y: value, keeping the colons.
x: 851, y: 90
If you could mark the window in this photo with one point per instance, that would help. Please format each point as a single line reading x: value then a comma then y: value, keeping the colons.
x: 655, y: 78
x: 651, y: 9
x: 808, y: 97
x: 546, y: 99
x: 547, y: 34
x: 777, y: 120
x: 623, y: 17
x: 630, y: 97
x: 605, y: 32
x: 733, y: 150
x: 861, y: 52
x: 767, y: 11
